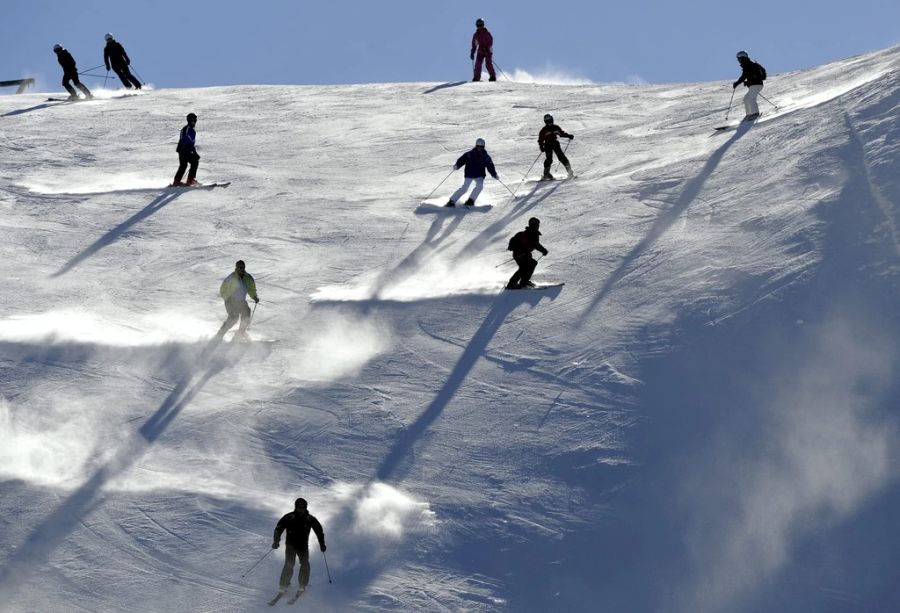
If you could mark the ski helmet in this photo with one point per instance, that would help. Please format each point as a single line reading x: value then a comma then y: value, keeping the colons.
x: 534, y: 222
x: 191, y: 117
x: 57, y: 47
x: 479, y: 23
x: 548, y: 118
x: 741, y: 54
x: 108, y: 36
x: 479, y: 142
x: 300, y: 504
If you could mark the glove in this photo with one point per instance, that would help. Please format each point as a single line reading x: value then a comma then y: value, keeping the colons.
x: 128, y: 62
x: 496, y: 177
x: 542, y: 147
x: 275, y: 544
x: 472, y: 55
x: 323, y: 547
x: 107, y: 69
x: 735, y: 84
x: 571, y: 137
x: 545, y: 252
x: 256, y: 300
x: 491, y: 51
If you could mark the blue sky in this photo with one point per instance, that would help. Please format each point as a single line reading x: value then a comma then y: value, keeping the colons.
x: 222, y: 42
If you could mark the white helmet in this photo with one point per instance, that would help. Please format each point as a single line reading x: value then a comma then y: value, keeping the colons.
x: 479, y: 142
x: 108, y: 36
x: 57, y: 47
x: 741, y: 54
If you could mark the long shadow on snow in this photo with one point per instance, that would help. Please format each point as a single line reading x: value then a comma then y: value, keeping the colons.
x: 665, y: 220
x: 167, y: 197
x: 712, y: 424
x: 444, y: 86
x: 38, y: 546
x: 38, y: 107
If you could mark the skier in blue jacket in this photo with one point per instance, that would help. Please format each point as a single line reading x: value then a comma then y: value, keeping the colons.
x: 187, y: 152
x: 478, y: 163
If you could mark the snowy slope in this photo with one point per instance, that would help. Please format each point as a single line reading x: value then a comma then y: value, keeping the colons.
x: 702, y: 419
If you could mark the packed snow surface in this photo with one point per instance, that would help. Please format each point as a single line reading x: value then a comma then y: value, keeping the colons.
x: 704, y: 418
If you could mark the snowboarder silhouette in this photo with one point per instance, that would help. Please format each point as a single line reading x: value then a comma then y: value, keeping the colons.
x: 476, y: 161
x: 522, y: 244
x: 298, y: 524
x: 70, y: 73
x: 114, y: 55
x: 234, y: 291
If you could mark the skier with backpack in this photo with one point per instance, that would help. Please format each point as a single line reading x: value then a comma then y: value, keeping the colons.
x: 478, y: 163
x: 187, y: 152
x: 549, y: 144
x: 114, y: 55
x: 482, y: 51
x: 298, y: 524
x: 234, y: 291
x: 70, y: 73
x: 752, y: 76
x: 522, y: 244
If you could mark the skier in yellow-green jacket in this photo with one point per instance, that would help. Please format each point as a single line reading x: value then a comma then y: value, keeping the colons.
x: 234, y: 291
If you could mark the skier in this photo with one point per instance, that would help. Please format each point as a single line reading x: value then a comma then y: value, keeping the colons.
x: 298, y: 523
x: 484, y: 42
x: 234, y: 291
x: 187, y: 153
x: 114, y: 54
x: 476, y: 162
x: 547, y: 141
x: 70, y: 73
x: 752, y: 75
x: 522, y: 244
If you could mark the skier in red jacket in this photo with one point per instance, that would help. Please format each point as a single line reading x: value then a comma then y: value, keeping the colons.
x: 484, y: 43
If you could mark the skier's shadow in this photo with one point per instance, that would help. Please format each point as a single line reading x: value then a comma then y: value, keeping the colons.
x: 31, y: 108
x: 68, y: 516
x: 110, y: 237
x: 664, y: 221
x: 397, y: 462
x: 444, y: 86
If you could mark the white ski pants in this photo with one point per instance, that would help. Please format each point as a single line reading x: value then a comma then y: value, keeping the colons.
x: 750, y: 105
x: 479, y: 183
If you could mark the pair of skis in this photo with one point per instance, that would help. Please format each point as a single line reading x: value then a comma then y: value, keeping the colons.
x: 290, y: 600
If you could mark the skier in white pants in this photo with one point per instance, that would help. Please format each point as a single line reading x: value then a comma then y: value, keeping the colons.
x: 752, y: 75
x: 478, y: 163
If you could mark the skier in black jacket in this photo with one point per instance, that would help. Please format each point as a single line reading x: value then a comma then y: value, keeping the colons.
x: 547, y: 141
x: 70, y: 73
x: 298, y: 523
x: 752, y: 75
x: 114, y: 55
x: 522, y: 244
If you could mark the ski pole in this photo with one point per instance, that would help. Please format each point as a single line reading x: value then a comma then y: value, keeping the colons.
x: 504, y: 262
x: 137, y: 74
x: 526, y: 175
x: 507, y: 188
x: 769, y: 101
x: 441, y: 183
x: 326, y: 567
x: 251, y: 316
x: 90, y: 69
x: 501, y: 71
x: 105, y: 79
x: 257, y: 563
x: 734, y: 89
x: 564, y: 152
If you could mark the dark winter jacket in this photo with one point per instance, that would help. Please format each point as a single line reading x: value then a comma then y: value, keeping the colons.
x: 548, y: 135
x: 114, y: 53
x: 526, y: 241
x: 298, y: 526
x: 483, y: 40
x: 476, y: 162
x: 186, y: 141
x: 67, y: 62
x: 751, y: 73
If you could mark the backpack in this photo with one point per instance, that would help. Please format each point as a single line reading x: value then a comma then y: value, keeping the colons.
x: 762, y: 72
x: 515, y: 242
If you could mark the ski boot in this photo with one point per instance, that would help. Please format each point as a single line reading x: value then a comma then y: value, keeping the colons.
x: 470, y: 202
x: 193, y: 183
x: 569, y: 173
x: 547, y: 176
x: 492, y: 79
x: 177, y: 184
x: 450, y: 203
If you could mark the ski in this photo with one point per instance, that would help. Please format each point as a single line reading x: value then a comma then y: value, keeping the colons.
x: 68, y: 99
x: 428, y: 207
x: 294, y: 598
x: 277, y: 598
x: 536, y: 287
x: 201, y: 185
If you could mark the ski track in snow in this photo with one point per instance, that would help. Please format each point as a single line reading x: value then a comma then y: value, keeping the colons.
x: 702, y: 419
